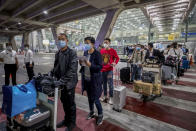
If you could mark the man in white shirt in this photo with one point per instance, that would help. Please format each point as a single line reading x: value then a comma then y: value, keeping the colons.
x: 28, y: 61
x: 10, y: 64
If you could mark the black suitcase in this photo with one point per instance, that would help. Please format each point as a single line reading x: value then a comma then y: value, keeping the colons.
x: 125, y: 74
x: 36, y: 119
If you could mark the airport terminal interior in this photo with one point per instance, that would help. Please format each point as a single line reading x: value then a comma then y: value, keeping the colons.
x: 154, y: 92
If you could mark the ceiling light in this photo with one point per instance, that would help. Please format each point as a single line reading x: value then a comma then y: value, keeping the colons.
x: 6, y: 28
x: 19, y: 23
x: 45, y: 12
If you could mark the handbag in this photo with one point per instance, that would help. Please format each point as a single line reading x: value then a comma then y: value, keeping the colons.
x: 19, y: 98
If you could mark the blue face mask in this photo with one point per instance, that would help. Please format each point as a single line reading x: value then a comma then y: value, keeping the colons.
x: 138, y: 48
x: 87, y: 47
x: 62, y: 44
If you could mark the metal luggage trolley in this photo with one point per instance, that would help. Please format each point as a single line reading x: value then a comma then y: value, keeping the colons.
x: 158, y: 71
x: 51, y: 103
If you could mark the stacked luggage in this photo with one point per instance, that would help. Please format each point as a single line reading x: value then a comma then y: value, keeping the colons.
x: 36, y: 112
x: 150, y: 84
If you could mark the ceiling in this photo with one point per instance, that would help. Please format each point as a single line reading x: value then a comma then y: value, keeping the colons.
x: 17, y: 17
x: 167, y: 15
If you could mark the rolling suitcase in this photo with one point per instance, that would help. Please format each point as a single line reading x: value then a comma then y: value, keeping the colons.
x: 34, y: 119
x: 125, y: 74
x: 143, y: 88
x: 119, y: 98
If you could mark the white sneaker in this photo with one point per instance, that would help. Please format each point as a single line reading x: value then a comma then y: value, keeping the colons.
x: 111, y: 101
x: 103, y: 98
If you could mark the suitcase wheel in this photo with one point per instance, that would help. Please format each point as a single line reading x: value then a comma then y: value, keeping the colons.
x: 118, y: 110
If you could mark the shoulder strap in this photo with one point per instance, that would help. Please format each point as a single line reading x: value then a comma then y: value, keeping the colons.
x: 141, y: 55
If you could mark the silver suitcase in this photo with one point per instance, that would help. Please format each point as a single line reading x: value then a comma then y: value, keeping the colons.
x: 119, y: 98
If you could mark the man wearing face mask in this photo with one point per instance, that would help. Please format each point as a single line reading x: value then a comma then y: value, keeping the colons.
x: 28, y: 61
x: 151, y: 52
x: 65, y: 70
x: 110, y: 59
x: 137, y: 60
x: 10, y: 63
x: 91, y: 78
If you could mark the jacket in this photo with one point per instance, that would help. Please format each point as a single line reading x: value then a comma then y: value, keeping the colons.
x: 65, y: 68
x: 95, y: 72
x: 176, y: 52
x: 137, y: 55
x: 157, y: 54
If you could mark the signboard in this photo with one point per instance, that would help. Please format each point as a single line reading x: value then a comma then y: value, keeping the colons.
x: 46, y: 42
x: 171, y: 37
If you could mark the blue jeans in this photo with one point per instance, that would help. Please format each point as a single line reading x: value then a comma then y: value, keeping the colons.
x: 108, y: 78
x: 136, y: 72
x: 93, y: 98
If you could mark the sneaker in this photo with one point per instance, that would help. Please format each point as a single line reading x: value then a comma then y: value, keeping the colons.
x: 111, y: 101
x: 90, y: 115
x: 99, y: 120
x: 103, y: 99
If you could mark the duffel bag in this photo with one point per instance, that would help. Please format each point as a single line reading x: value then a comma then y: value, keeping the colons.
x: 171, y: 61
x: 19, y: 98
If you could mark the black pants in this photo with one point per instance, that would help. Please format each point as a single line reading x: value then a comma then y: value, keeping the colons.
x: 30, y: 71
x: 69, y: 106
x: 93, y: 98
x: 10, y: 69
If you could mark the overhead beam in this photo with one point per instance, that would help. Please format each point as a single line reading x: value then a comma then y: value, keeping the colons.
x: 65, y: 10
x: 11, y: 31
x: 25, y: 6
x: 190, y: 7
x: 52, y: 6
x: 88, y: 10
x: 22, y: 20
x: 137, y: 1
x: 4, y: 4
x: 132, y: 4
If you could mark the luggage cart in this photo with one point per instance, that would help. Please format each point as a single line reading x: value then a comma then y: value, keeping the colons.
x: 158, y: 71
x: 52, y: 104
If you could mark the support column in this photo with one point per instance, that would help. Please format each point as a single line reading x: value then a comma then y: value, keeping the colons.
x: 12, y: 40
x: 186, y: 31
x: 40, y: 39
x: 25, y: 39
x: 149, y: 32
x: 107, y: 26
x: 54, y: 33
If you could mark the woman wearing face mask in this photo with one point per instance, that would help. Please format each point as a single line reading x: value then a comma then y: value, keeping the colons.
x: 91, y: 78
x: 137, y: 59
x: 10, y: 63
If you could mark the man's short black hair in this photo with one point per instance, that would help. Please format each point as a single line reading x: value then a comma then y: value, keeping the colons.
x: 26, y: 45
x: 91, y: 39
x: 64, y: 35
x: 108, y: 39
x: 8, y: 44
x: 87, y: 38
x: 168, y: 46
x: 150, y: 44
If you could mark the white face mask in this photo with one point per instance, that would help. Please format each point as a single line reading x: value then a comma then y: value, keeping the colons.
x: 105, y: 45
x: 9, y: 48
x: 26, y: 48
